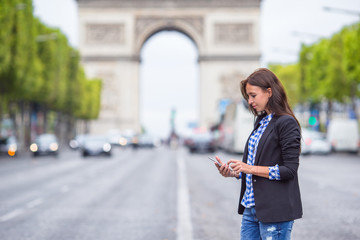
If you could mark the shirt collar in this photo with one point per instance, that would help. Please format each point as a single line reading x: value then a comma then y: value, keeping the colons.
x: 266, y: 119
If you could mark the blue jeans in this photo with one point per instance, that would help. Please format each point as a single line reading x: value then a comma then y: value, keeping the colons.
x: 253, y: 229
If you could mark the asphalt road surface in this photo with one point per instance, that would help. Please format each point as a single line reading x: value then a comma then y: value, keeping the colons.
x: 160, y: 194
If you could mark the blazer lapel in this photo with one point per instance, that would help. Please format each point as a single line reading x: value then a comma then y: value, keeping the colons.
x: 268, y: 130
x: 256, y: 125
x: 245, y: 155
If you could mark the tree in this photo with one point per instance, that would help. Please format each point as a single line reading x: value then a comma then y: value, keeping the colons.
x: 351, y: 60
x: 39, y: 71
x: 289, y: 75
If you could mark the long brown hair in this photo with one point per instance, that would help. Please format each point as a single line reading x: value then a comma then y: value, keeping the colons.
x: 278, y: 102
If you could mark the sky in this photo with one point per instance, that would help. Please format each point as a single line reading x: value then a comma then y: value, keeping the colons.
x: 168, y: 80
x: 284, y: 26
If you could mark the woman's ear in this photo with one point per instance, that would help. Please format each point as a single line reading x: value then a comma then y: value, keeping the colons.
x: 269, y: 92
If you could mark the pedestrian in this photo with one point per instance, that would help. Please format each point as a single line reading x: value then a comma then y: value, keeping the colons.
x: 270, y: 195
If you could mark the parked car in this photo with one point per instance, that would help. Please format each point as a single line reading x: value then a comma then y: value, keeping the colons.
x: 45, y: 144
x: 77, y: 142
x: 314, y: 142
x: 96, y: 145
x: 115, y: 138
x: 8, y: 146
x: 147, y: 141
x: 343, y: 134
x: 201, y: 142
x: 125, y: 138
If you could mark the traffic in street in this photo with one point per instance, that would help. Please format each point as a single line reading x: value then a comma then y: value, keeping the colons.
x: 160, y: 193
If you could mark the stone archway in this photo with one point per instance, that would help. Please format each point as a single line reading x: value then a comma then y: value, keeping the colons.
x: 112, y: 33
x: 147, y: 26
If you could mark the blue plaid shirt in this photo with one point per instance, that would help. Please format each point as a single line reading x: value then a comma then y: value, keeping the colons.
x: 274, y: 173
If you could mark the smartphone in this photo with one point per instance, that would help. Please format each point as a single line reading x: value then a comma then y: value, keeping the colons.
x: 215, y: 161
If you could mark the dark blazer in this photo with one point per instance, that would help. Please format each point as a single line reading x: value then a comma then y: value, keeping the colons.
x: 276, y: 200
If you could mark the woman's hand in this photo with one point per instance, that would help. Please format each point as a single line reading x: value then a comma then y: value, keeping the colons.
x: 224, y: 169
x: 239, y: 166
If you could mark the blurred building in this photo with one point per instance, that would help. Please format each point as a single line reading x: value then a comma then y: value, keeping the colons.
x: 112, y: 33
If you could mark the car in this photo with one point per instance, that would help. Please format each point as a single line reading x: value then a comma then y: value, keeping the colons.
x: 147, y: 141
x: 201, y: 142
x: 77, y: 142
x: 45, y: 144
x: 343, y: 134
x: 95, y: 146
x: 130, y: 138
x: 115, y: 138
x: 8, y: 145
x: 314, y: 142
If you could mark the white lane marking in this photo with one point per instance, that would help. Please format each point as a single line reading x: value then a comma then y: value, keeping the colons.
x: 184, y: 225
x: 35, y: 203
x: 11, y: 215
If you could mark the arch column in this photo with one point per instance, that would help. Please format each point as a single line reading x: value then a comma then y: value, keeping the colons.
x: 120, y: 93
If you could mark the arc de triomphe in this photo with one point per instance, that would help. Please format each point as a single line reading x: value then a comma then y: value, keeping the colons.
x: 112, y: 33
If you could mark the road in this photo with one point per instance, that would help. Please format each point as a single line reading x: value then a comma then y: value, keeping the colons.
x: 160, y: 194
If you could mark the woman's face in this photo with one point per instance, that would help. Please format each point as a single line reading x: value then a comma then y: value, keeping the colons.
x: 258, y: 98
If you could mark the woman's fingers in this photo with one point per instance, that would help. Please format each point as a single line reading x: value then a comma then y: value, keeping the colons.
x: 224, y: 170
x: 219, y: 160
x: 234, y: 161
x: 236, y: 165
x: 220, y: 163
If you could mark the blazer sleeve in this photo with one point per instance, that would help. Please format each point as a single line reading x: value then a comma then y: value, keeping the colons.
x: 290, y: 143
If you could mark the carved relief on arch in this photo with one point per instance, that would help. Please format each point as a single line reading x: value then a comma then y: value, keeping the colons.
x: 235, y: 33
x: 230, y: 85
x: 145, y: 26
x: 97, y: 33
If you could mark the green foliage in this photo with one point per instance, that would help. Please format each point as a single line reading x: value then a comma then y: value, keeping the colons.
x: 22, y: 49
x: 289, y: 75
x: 16, y: 51
x: 60, y: 76
x: 7, y: 17
x: 305, y: 57
x: 94, y: 101
x: 37, y: 65
x: 337, y: 86
x: 315, y: 81
x: 330, y: 69
x: 351, y: 57
x: 74, y: 83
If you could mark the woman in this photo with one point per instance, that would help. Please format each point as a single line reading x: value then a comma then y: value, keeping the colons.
x: 270, y: 195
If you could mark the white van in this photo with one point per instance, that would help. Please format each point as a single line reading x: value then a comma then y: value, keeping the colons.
x: 238, y: 124
x: 343, y: 134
